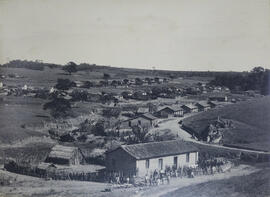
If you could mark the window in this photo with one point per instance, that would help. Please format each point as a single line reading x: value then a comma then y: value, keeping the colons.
x: 147, y: 163
x: 187, y: 157
x: 139, y: 122
x: 160, y: 164
x: 129, y: 123
x: 175, y: 161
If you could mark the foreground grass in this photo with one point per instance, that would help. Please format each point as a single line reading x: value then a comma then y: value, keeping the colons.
x: 256, y: 184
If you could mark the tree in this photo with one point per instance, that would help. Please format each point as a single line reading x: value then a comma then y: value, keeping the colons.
x: 106, y: 76
x: 71, y: 67
x: 138, y: 81
x: 125, y: 81
x: 88, y: 84
x: 114, y: 83
x: 59, y: 107
x: 111, y: 112
x: 140, y: 134
x: 99, y: 128
x: 64, y: 84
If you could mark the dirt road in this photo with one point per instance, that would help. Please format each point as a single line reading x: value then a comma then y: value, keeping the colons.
x: 179, y: 183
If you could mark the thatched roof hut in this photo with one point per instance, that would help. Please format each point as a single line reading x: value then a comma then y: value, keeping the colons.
x: 65, y: 155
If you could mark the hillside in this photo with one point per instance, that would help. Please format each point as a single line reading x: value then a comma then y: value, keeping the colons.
x: 250, y: 120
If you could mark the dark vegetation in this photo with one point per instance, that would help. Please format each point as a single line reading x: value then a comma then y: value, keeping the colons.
x: 59, y: 107
x: 257, y: 79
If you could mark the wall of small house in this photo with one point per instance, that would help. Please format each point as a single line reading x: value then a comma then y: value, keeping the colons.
x: 138, y: 121
x: 141, y: 121
x: 120, y: 161
x: 179, y: 113
x: 167, y: 161
x: 186, y: 110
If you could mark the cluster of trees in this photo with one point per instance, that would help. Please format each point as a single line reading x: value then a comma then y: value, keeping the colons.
x: 257, y: 79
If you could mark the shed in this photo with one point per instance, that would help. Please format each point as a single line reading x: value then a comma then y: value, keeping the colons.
x: 203, y: 106
x: 189, y: 108
x: 65, y: 155
x: 170, y: 111
x: 145, y: 120
x: 221, y: 97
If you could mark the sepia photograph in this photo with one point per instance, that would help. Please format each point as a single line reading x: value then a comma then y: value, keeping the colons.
x: 138, y: 98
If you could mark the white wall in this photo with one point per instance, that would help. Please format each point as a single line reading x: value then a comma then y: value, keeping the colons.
x: 167, y: 161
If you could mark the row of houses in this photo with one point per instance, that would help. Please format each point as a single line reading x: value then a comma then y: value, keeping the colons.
x: 146, y: 119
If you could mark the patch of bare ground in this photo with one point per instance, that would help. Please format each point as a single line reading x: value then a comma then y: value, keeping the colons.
x: 30, y: 186
x: 256, y: 184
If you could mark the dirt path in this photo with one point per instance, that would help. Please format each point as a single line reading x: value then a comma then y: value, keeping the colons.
x: 179, y: 183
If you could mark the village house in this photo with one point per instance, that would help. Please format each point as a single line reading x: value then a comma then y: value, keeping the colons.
x: 145, y: 158
x: 65, y: 155
x: 189, y: 108
x: 142, y: 110
x: 218, y: 97
x: 168, y: 111
x: 214, y: 104
x: 145, y: 120
x: 203, y: 106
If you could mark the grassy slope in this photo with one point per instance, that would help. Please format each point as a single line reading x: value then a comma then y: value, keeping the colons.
x: 254, y: 185
x: 250, y: 120
x: 16, y: 111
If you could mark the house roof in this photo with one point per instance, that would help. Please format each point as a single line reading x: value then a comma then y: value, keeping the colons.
x: 190, y: 106
x: 203, y: 103
x: 143, y: 110
x: 158, y: 149
x: 65, y: 152
x: 148, y: 116
x: 217, y: 95
x: 174, y: 109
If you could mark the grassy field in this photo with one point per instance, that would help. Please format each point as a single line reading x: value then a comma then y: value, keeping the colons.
x: 251, y: 125
x: 256, y: 184
x: 16, y: 112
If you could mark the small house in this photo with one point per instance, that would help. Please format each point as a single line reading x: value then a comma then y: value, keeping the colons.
x: 203, y: 106
x: 65, y: 155
x: 218, y: 97
x: 168, y: 111
x: 142, y: 110
x: 189, y: 108
x: 145, y: 158
x: 145, y: 120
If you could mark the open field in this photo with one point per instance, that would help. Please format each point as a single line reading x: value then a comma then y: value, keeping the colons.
x: 250, y: 126
x: 16, y: 112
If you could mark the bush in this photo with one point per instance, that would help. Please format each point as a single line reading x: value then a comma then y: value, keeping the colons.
x: 64, y: 84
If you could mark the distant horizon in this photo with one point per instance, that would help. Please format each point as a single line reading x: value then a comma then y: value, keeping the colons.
x: 115, y: 66
x: 214, y: 35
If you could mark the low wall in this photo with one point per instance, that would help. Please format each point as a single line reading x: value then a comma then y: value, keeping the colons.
x: 52, y: 173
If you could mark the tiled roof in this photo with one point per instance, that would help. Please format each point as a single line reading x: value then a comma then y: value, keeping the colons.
x: 159, y: 149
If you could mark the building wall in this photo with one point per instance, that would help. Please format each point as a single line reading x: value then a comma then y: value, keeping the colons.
x: 167, y: 161
x: 120, y: 161
x: 179, y: 113
x: 137, y: 121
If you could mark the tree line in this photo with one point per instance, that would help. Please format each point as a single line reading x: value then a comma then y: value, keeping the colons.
x: 257, y: 79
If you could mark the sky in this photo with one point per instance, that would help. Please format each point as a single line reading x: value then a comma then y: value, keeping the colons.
x: 216, y: 35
